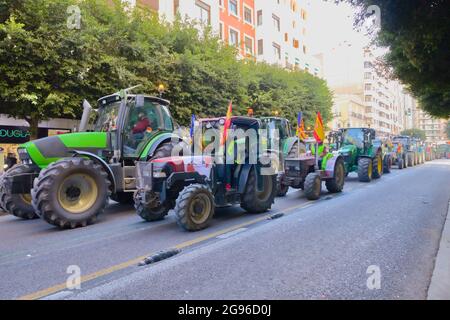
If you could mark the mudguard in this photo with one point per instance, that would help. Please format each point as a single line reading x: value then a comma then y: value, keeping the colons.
x: 288, y: 144
x: 243, y: 177
x: 153, y: 145
x: 330, y: 165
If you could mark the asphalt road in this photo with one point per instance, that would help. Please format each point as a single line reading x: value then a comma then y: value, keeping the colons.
x: 317, y: 250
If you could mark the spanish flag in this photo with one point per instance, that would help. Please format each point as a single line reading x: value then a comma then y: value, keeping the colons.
x: 227, y: 124
x: 319, y: 133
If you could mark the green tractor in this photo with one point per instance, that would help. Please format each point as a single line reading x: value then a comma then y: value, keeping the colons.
x: 289, y: 145
x: 68, y: 179
x: 356, y: 147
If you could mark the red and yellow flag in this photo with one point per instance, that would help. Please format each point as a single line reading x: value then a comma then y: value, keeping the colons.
x: 301, y: 127
x: 227, y: 124
x: 319, y: 133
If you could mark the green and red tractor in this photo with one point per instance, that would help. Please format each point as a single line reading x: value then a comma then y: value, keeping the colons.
x: 67, y: 180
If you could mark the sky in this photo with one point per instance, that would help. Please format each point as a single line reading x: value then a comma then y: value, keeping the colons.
x: 331, y: 32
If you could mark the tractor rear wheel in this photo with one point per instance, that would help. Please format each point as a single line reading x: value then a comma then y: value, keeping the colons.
x: 18, y: 205
x: 255, y: 201
x: 123, y: 197
x: 377, y: 167
x: 195, y: 207
x: 365, y: 166
x: 71, y: 192
x: 387, y: 164
x: 336, y: 184
x: 157, y: 213
x: 313, y: 186
x: 401, y: 163
x: 410, y: 160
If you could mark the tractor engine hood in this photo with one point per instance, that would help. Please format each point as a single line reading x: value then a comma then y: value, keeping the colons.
x: 345, y: 150
x: 44, y: 151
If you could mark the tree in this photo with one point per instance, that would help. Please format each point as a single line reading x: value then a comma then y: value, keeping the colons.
x: 416, y: 133
x: 416, y: 33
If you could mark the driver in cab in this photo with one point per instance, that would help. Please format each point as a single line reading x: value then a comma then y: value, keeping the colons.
x: 141, y: 126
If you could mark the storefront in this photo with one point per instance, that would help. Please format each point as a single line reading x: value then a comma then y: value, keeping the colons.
x: 16, y: 132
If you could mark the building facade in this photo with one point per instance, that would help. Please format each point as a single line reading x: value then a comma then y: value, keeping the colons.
x: 348, y: 110
x: 435, y: 129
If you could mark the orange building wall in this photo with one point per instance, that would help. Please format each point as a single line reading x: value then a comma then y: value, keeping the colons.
x: 229, y: 20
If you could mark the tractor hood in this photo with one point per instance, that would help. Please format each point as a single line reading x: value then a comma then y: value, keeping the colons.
x: 47, y: 150
x: 347, y: 149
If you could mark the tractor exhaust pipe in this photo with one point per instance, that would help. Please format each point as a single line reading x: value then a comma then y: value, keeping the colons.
x: 87, y: 108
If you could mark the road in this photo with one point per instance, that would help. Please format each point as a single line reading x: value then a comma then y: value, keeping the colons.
x: 316, y: 250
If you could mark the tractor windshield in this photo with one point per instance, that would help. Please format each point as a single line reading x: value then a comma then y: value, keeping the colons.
x: 107, y: 118
x: 354, y: 136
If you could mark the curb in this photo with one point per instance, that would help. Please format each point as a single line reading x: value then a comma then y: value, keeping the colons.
x: 440, y: 280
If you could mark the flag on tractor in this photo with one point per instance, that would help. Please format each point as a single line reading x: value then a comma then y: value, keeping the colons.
x: 227, y: 124
x: 191, y: 133
x: 319, y: 133
x: 301, y: 134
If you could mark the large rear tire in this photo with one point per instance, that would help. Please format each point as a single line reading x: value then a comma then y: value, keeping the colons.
x: 254, y: 201
x: 365, y: 166
x: 71, y: 192
x: 377, y: 167
x: 401, y: 163
x: 387, y: 164
x: 313, y: 186
x: 195, y: 207
x: 336, y: 184
x: 18, y: 205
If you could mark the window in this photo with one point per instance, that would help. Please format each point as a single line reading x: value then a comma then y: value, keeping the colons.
x: 276, y: 22
x: 367, y: 75
x: 176, y: 6
x: 248, y: 45
x: 368, y: 98
x: 286, y: 37
x: 234, y: 37
x: 203, y: 12
x: 233, y: 7
x: 368, y: 86
x: 305, y: 50
x: 260, y: 47
x: 277, y: 50
x: 221, y: 31
x: 295, y: 43
x: 259, y: 18
x: 248, y: 15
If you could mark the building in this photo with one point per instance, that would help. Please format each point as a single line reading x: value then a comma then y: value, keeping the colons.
x: 272, y: 31
x: 348, y: 110
x: 237, y: 25
x: 435, y: 129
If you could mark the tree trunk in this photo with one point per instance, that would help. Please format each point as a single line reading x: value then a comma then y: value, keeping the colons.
x: 33, y: 121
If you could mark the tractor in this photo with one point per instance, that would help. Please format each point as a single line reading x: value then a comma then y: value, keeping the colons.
x: 409, y: 149
x: 356, y: 147
x: 67, y: 180
x: 385, y: 147
x: 194, y: 185
x: 398, y: 155
x: 288, y: 145
x: 308, y: 170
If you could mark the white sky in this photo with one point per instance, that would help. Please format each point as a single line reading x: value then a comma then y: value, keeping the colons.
x: 331, y: 32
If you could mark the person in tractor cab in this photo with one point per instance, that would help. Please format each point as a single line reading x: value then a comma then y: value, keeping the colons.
x: 141, y: 126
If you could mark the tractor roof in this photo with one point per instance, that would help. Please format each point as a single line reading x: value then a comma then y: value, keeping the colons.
x: 116, y: 97
x: 238, y: 120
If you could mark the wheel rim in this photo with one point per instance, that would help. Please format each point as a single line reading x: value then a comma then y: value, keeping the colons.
x: 200, y: 208
x: 265, y: 193
x: 77, y: 193
x: 380, y: 165
x: 26, y: 198
x: 370, y: 169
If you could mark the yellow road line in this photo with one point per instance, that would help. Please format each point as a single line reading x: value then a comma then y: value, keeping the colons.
x: 103, y: 272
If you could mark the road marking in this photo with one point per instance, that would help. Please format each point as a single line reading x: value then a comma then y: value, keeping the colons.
x: 103, y: 272
x: 232, y: 233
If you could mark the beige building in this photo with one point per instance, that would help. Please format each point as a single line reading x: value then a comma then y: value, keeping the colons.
x: 348, y: 111
x: 435, y: 129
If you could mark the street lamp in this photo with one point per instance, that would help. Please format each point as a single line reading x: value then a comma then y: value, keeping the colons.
x: 161, y: 89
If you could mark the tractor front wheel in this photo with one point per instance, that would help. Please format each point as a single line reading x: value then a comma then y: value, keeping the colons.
x: 336, y: 184
x: 365, y: 166
x: 256, y: 201
x: 150, y: 214
x: 71, y: 192
x: 387, y: 164
x: 282, y: 189
x: 18, y: 205
x: 123, y: 197
x: 313, y: 186
x: 195, y: 207
x: 401, y: 163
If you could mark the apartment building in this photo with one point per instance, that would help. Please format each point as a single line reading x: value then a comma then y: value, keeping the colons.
x: 348, y: 110
x: 435, y: 129
x: 282, y: 34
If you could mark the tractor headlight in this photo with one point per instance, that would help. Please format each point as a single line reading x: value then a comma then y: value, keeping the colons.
x: 24, y: 157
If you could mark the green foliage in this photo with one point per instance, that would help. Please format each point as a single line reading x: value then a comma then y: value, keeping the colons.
x: 47, y: 69
x: 416, y: 133
x: 417, y: 33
